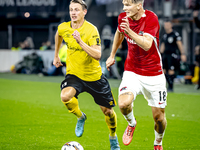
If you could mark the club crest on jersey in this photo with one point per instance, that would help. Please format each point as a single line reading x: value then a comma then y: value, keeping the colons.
x: 141, y: 33
x: 98, y: 41
x: 170, y: 39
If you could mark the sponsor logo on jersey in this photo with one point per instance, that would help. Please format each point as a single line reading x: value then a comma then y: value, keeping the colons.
x: 82, y: 35
x: 130, y: 40
x: 67, y: 35
x: 95, y: 36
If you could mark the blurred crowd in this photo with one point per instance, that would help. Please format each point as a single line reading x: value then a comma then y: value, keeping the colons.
x: 190, y: 72
x: 28, y: 44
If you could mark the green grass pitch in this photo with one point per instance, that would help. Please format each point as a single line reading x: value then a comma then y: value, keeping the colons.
x: 32, y: 117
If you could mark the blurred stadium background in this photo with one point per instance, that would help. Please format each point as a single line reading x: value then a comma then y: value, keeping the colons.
x: 38, y: 20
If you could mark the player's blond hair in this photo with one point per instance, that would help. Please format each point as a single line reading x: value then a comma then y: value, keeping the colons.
x: 81, y: 2
x: 134, y: 1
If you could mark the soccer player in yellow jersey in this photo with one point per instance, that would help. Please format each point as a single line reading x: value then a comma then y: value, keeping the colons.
x: 83, y: 72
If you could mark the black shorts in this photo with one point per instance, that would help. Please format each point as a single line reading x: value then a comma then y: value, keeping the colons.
x: 100, y: 89
x: 171, y: 62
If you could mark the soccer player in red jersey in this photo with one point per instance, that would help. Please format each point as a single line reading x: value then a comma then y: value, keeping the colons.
x: 143, y: 73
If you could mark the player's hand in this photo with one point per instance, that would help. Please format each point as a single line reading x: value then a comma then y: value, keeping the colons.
x: 125, y: 25
x: 110, y: 61
x: 183, y: 58
x: 56, y: 62
x: 77, y: 36
x: 195, y: 13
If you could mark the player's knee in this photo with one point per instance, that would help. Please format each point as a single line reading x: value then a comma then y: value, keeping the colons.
x: 107, y: 112
x: 65, y: 97
x: 159, y: 118
x: 125, y: 101
x: 123, y: 105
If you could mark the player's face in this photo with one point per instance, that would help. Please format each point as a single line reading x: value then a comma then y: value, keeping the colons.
x: 130, y: 8
x: 76, y: 12
x: 167, y: 25
x: 197, y: 50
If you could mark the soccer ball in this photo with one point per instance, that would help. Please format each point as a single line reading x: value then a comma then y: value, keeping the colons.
x: 73, y: 145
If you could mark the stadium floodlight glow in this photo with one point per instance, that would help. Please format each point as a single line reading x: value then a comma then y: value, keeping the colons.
x: 27, y: 14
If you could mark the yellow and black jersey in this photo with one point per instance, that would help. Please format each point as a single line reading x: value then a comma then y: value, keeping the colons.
x: 78, y: 62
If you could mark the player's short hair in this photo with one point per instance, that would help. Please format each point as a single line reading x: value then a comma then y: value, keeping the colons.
x: 167, y: 19
x: 84, y: 5
x: 135, y: 1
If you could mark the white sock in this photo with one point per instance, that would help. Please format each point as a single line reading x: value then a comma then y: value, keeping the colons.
x: 158, y: 138
x: 130, y: 119
x: 113, y: 137
x: 82, y: 117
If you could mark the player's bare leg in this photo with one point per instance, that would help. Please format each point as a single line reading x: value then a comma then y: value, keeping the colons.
x: 125, y: 102
x: 159, y: 127
x: 111, y: 121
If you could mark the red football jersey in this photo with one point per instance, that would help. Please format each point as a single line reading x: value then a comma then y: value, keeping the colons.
x: 139, y: 61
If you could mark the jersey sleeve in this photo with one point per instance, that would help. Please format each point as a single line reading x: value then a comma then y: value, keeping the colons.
x: 152, y: 25
x: 163, y: 39
x: 61, y: 28
x: 178, y: 37
x: 94, y: 37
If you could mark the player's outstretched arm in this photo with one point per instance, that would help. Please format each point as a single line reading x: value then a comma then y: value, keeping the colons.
x: 58, y: 42
x: 93, y: 50
x: 118, y: 38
